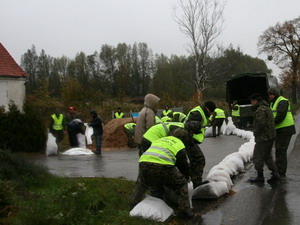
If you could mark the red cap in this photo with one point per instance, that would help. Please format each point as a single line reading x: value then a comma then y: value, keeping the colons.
x: 71, y: 108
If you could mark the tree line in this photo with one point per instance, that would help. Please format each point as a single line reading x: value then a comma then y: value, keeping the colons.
x: 130, y: 71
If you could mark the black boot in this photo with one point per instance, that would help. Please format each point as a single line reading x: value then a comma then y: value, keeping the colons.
x: 258, y: 179
x: 274, y: 178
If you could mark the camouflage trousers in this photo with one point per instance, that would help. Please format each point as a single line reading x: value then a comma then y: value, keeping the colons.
x: 281, y: 146
x: 263, y: 154
x: 197, y: 163
x: 155, y: 177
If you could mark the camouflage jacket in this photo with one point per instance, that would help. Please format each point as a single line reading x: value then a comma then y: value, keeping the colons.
x: 263, y: 124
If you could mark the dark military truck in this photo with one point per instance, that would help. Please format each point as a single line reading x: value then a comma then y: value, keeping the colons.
x: 240, y: 87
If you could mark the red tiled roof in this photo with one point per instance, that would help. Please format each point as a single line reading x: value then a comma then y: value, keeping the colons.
x: 8, y: 66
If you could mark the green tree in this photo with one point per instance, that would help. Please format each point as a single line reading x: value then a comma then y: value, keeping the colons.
x: 29, y: 63
x: 109, y: 66
x: 282, y: 44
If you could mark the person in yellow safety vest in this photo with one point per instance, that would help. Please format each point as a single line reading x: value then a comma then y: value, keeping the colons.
x: 235, y: 113
x: 197, y: 160
x: 57, y: 127
x: 166, y: 111
x: 284, y: 126
x: 166, y: 119
x: 157, y: 131
x: 178, y: 117
x: 119, y: 114
x: 157, y: 120
x: 165, y: 164
x: 217, y: 119
x: 129, y: 129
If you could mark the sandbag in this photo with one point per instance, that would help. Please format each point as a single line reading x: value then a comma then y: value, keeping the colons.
x: 152, y: 208
x: 237, y: 161
x: 222, y: 166
x: 218, y: 178
x: 52, y: 148
x: 81, y: 140
x: 78, y: 151
x: 218, y: 172
x: 212, y: 190
x: 208, y: 132
x: 88, y: 133
x: 229, y: 128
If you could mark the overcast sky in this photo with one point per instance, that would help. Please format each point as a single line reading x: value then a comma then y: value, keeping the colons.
x: 65, y: 27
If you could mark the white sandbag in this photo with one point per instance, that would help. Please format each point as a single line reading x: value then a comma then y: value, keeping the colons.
x: 247, y: 156
x: 88, y: 133
x: 229, y: 128
x: 52, y: 147
x: 237, y: 161
x: 208, y: 132
x: 236, y: 154
x: 78, y: 151
x: 221, y: 166
x: 218, y: 172
x: 152, y: 208
x: 226, y: 180
x: 81, y: 140
x: 230, y: 167
x: 212, y: 190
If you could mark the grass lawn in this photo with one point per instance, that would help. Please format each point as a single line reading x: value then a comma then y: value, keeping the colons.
x: 29, y: 195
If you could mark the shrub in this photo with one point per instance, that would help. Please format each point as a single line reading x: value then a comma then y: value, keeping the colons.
x: 22, y: 132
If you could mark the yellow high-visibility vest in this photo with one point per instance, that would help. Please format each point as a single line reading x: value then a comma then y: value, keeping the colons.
x: 163, y: 151
x: 57, y: 125
x: 288, y: 120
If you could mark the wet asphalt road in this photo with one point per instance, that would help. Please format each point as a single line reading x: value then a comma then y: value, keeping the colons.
x: 248, y: 204
x: 124, y: 163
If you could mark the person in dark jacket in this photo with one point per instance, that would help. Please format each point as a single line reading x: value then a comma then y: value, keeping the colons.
x: 285, y: 128
x: 264, y: 133
x: 96, y: 123
x: 75, y: 127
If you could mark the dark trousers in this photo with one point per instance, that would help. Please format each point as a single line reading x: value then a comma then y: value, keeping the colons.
x: 197, y: 163
x: 98, y: 140
x: 281, y: 145
x: 73, y: 137
x: 263, y: 154
x: 217, y: 124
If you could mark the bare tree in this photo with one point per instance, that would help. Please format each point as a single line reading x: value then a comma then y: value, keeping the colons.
x: 282, y: 44
x: 201, y: 21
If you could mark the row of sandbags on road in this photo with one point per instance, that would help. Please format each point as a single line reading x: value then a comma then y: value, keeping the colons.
x: 220, y: 176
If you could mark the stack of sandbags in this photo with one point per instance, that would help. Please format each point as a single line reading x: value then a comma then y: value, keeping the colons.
x: 219, y: 176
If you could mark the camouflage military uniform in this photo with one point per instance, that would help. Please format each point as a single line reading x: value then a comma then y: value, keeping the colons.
x: 155, y: 177
x: 197, y: 163
x: 264, y: 133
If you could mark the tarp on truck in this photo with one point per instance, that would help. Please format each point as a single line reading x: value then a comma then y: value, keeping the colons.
x: 241, y: 86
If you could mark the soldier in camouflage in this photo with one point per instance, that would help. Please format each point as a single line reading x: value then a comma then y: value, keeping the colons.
x: 264, y: 133
x: 199, y: 117
x: 165, y: 164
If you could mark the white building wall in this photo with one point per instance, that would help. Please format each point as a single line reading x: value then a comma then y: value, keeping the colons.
x: 12, y: 89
